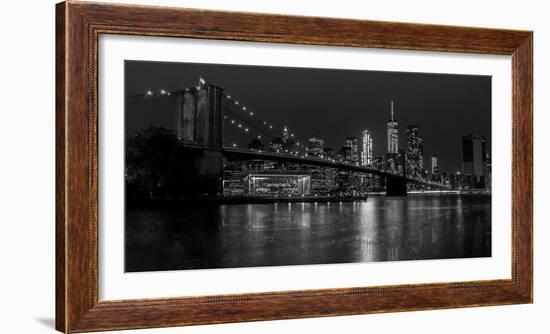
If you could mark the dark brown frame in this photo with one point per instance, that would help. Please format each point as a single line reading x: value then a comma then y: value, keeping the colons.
x: 78, y: 25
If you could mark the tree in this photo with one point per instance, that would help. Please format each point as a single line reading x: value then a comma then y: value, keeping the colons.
x: 151, y: 164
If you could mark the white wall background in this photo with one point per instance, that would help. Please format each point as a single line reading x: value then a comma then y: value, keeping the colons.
x: 27, y: 165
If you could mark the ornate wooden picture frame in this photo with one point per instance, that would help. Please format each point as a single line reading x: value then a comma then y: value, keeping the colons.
x: 78, y: 27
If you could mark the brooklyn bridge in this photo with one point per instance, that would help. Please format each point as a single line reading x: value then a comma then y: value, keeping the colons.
x: 202, y: 115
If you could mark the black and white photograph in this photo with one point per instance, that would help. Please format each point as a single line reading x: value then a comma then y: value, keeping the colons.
x: 276, y: 166
x: 230, y: 166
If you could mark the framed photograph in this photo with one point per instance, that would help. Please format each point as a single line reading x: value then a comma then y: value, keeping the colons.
x: 223, y: 167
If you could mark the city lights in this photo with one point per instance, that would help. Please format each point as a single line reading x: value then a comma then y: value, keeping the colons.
x: 356, y: 152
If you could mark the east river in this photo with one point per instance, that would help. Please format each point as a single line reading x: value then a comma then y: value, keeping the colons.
x: 276, y: 234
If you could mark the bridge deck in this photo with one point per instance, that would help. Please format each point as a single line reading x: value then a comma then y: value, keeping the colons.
x: 312, y: 161
x: 321, y: 162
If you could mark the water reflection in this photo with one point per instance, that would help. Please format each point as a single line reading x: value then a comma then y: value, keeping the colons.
x: 248, y: 235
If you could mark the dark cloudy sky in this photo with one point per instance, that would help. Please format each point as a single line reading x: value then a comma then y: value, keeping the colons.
x: 329, y: 103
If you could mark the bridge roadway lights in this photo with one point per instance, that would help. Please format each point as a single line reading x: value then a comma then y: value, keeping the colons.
x: 396, y: 186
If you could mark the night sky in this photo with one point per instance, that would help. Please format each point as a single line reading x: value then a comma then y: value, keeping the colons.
x: 331, y: 104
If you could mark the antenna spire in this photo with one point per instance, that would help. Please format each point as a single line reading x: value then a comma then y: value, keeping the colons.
x: 392, y: 110
x: 202, y: 82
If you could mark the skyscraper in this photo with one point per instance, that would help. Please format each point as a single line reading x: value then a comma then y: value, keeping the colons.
x: 473, y: 159
x: 393, y: 145
x: 315, y: 146
x: 367, y: 154
x: 328, y: 152
x: 288, y: 142
x: 285, y: 135
x: 415, y: 151
x: 352, y: 149
x: 435, y: 166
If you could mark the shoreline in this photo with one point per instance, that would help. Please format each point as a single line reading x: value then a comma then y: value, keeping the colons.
x: 239, y: 200
x: 221, y: 200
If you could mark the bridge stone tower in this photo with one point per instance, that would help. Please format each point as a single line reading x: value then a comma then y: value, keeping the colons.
x: 186, y: 115
x: 397, y: 185
x: 200, y: 121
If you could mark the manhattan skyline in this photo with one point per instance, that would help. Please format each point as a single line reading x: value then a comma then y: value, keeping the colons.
x: 444, y: 107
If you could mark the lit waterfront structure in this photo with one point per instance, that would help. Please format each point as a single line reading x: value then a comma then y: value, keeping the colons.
x: 415, y: 151
x: 233, y: 176
x: 315, y: 146
x: 322, y: 180
x: 352, y: 151
x: 474, y: 160
x: 392, y: 131
x: 367, y: 153
x: 277, y: 183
